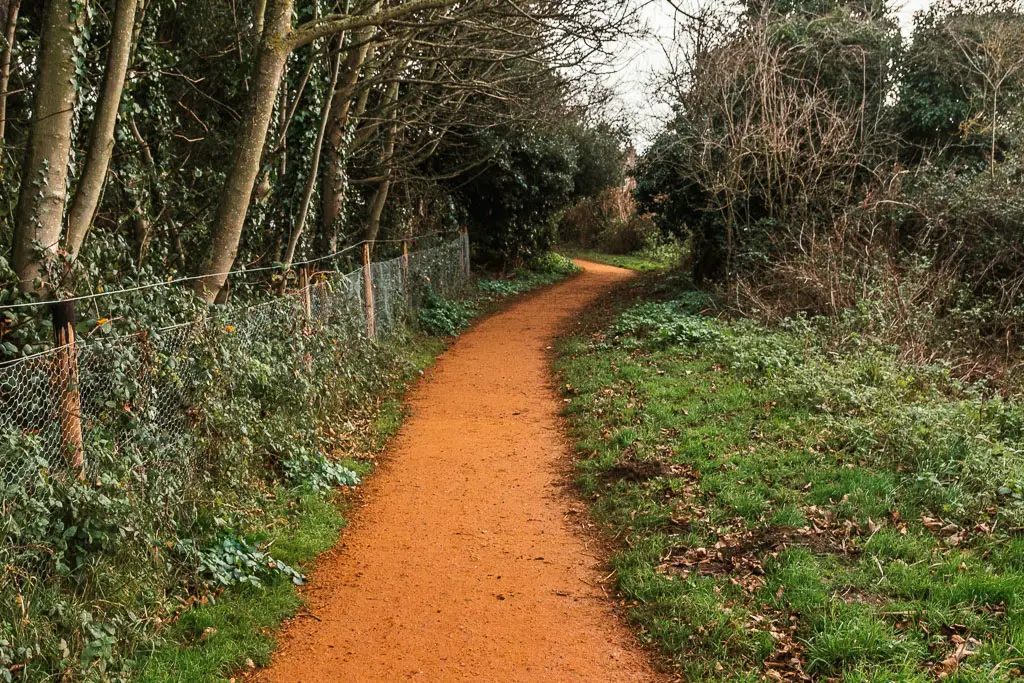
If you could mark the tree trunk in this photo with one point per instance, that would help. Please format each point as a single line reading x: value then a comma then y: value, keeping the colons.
x: 257, y: 17
x: 147, y: 229
x: 40, y: 211
x: 237, y: 192
x: 307, y: 196
x: 380, y: 196
x: 5, y: 61
x: 101, y: 138
x: 334, y: 182
x: 277, y: 43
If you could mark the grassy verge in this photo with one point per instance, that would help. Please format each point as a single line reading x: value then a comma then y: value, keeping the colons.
x: 793, y: 507
x: 213, y: 639
x: 234, y: 630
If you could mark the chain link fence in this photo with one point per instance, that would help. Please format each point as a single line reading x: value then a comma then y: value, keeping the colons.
x: 122, y: 411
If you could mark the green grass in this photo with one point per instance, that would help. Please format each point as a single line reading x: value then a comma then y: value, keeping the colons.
x: 777, y: 497
x: 211, y: 641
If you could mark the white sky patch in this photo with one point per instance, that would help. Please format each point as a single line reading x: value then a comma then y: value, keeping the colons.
x: 641, y: 62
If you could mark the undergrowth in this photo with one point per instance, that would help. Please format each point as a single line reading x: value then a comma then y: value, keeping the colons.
x: 445, y: 317
x: 795, y: 507
x: 235, y: 631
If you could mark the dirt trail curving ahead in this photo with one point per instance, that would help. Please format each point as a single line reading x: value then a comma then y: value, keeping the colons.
x: 461, y: 565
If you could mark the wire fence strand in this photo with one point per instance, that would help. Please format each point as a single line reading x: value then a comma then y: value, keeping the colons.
x: 228, y: 274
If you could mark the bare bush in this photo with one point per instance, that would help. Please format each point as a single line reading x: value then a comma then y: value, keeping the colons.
x: 779, y: 138
x: 609, y: 222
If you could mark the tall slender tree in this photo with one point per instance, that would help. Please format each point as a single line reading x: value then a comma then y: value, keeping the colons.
x: 101, y: 140
x: 10, y: 23
x: 40, y: 210
x: 334, y: 182
x: 278, y: 41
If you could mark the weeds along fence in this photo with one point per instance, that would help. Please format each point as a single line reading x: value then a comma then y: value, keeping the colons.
x: 103, y: 415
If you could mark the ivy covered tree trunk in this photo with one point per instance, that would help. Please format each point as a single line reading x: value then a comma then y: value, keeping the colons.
x: 238, y: 187
x: 10, y: 22
x: 101, y: 140
x: 40, y: 212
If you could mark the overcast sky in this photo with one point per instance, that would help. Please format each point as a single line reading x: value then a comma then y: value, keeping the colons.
x: 642, y: 61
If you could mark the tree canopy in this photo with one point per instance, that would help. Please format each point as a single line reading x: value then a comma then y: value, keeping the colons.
x: 147, y: 138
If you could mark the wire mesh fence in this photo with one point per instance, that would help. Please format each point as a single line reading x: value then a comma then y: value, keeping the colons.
x: 122, y: 410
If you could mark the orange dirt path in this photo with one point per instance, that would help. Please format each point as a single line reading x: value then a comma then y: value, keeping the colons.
x: 461, y: 565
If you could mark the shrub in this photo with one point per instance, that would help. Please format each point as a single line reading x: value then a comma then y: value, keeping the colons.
x: 551, y: 263
x: 610, y: 223
x: 183, y: 425
x: 502, y: 287
x: 444, y: 317
x: 586, y: 222
x: 754, y: 351
x: 628, y: 236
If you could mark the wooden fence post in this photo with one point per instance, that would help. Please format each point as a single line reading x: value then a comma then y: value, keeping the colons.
x: 65, y: 374
x: 405, y: 273
x: 465, y: 249
x: 307, y: 304
x: 368, y: 291
x: 462, y: 254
